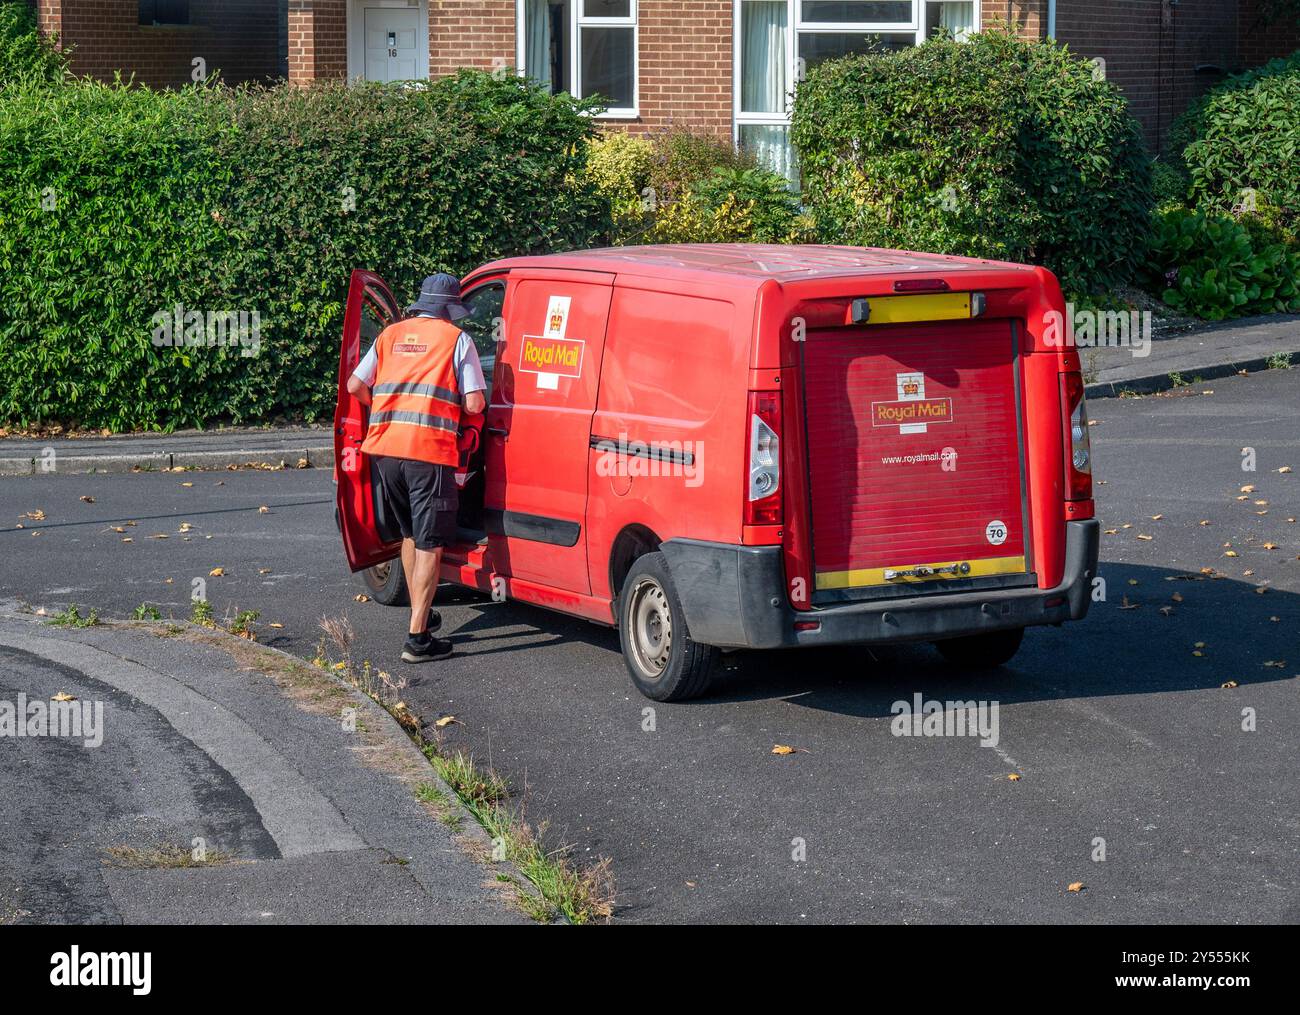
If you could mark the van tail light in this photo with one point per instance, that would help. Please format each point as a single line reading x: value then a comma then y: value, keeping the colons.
x: 763, y: 502
x: 1078, y: 446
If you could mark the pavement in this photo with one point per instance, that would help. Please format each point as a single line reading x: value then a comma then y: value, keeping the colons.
x: 1204, y: 352
x: 194, y: 740
x: 203, y: 449
x: 1171, y: 797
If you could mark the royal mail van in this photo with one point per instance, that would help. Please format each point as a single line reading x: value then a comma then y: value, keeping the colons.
x: 747, y: 447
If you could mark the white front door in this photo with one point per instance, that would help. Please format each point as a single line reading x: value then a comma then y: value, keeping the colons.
x: 392, y: 43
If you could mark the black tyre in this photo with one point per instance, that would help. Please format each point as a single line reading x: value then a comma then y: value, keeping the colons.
x: 665, y: 662
x: 386, y: 583
x: 982, y: 651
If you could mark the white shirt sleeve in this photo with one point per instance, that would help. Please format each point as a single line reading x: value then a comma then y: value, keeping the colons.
x: 365, y: 371
x: 469, y: 371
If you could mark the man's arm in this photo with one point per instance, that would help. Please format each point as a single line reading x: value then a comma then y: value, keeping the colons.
x: 363, y: 377
x: 469, y: 375
x: 359, y: 389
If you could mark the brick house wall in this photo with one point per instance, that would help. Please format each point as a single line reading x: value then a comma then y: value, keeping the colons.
x: 1163, y: 55
x: 1152, y: 48
x: 318, y: 40
x: 237, y: 37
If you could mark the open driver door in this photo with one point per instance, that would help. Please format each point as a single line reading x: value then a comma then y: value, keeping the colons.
x: 371, y: 308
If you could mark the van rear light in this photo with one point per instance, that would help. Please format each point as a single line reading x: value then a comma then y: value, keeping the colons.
x: 763, y: 503
x: 1078, y: 446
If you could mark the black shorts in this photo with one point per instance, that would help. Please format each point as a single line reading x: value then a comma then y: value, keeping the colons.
x: 415, y: 500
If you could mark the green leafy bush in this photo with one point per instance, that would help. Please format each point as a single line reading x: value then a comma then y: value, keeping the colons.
x: 674, y: 187
x: 1213, y: 266
x: 773, y: 209
x: 1247, y: 143
x: 993, y: 147
x: 618, y: 165
x: 26, y: 56
x: 117, y: 205
x: 681, y: 158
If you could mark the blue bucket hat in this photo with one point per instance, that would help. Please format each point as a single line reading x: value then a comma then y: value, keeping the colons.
x: 440, y: 296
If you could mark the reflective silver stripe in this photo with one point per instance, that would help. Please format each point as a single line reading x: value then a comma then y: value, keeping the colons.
x: 422, y: 390
x: 413, y: 419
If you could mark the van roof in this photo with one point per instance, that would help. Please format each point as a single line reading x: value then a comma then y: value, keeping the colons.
x: 755, y: 262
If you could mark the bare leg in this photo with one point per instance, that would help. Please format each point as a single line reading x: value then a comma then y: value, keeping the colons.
x: 421, y: 583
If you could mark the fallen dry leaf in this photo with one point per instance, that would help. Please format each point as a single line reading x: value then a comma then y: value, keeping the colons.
x: 303, y: 463
x: 1270, y: 546
x: 447, y: 720
x: 1205, y: 521
x: 276, y: 626
x: 217, y: 572
x: 1276, y: 663
x: 1228, y: 683
x: 1126, y: 605
x: 1156, y: 518
x: 160, y: 535
x: 1112, y: 532
x: 263, y: 570
x: 361, y: 597
x: 1014, y: 777
x: 1132, y: 581
x: 782, y: 749
x: 87, y: 500
x: 1148, y: 538
x: 1248, y: 489
x: 1075, y: 886
x: 1230, y: 553
x: 63, y: 696
x: 127, y: 539
x: 187, y: 484
x: 1177, y: 597
x: 1166, y: 611
x: 1285, y: 469
x: 37, y: 516
x: 264, y: 510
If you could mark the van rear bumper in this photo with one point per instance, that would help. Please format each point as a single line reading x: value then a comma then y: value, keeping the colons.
x: 735, y: 597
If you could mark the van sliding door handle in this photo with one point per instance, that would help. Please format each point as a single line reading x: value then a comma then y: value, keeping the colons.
x: 500, y: 431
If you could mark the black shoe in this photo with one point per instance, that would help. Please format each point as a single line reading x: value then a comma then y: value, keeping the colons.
x: 423, y: 648
x: 435, y: 621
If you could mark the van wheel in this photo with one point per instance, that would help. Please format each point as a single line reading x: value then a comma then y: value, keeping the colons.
x: 386, y: 583
x: 982, y: 651
x: 665, y: 662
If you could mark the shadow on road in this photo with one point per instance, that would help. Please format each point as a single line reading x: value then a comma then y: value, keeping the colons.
x: 1115, y: 650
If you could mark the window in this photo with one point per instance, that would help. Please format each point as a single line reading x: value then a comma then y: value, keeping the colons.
x: 584, y: 47
x: 164, y: 12
x: 485, y: 324
x: 770, y: 58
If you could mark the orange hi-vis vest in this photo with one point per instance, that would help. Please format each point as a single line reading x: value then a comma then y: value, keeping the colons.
x: 415, y: 401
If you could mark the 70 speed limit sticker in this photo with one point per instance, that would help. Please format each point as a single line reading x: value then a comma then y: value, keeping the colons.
x: 996, y: 532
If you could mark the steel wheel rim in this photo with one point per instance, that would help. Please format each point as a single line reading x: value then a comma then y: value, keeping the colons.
x: 650, y: 631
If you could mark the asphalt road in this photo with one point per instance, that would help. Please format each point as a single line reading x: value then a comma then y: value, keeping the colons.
x: 1117, y: 728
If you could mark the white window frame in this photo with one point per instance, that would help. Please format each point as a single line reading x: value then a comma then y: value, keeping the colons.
x: 577, y: 22
x: 356, y: 35
x: 796, y: 26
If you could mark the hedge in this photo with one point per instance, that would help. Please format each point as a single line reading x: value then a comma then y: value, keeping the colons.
x: 26, y: 56
x: 993, y: 147
x: 1245, y: 137
x: 119, y: 204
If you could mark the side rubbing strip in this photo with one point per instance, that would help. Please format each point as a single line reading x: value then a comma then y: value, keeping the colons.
x: 538, y: 528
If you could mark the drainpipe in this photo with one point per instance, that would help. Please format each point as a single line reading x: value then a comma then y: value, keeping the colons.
x: 1051, y: 19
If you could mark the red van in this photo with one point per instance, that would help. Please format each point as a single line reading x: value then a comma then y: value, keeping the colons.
x: 742, y: 446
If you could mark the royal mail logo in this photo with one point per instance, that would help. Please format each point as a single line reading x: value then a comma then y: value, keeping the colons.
x: 910, y: 412
x: 911, y: 387
x: 409, y: 348
x: 558, y: 356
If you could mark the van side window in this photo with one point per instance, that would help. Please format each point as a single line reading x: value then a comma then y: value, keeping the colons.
x: 484, y: 323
